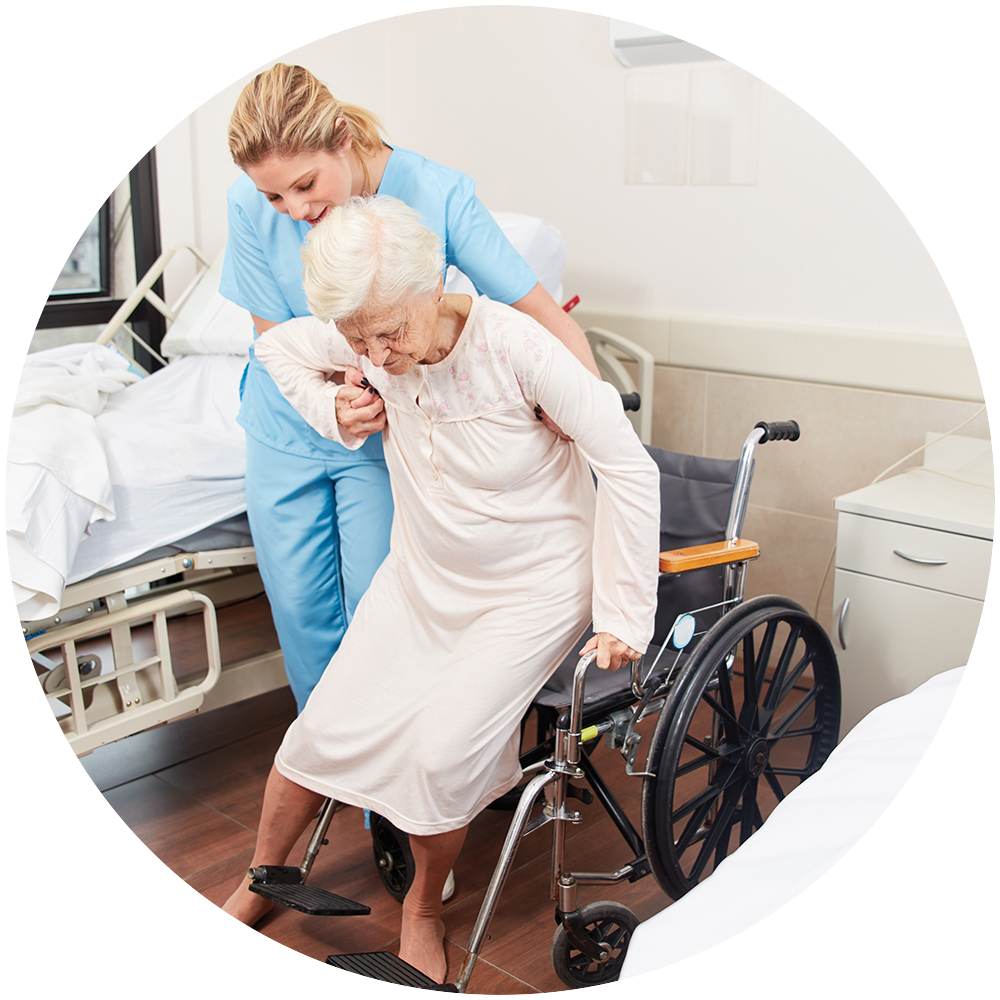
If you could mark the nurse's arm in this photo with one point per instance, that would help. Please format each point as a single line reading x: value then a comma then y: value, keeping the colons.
x: 263, y: 325
x: 540, y: 306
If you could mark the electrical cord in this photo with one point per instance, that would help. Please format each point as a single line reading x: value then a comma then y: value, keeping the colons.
x: 885, y: 472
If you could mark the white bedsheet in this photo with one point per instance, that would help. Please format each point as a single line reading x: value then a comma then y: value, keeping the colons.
x: 57, y: 475
x: 176, y: 456
x: 172, y: 460
x: 877, y: 878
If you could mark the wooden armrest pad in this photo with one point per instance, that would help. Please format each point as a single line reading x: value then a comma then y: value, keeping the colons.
x: 714, y: 554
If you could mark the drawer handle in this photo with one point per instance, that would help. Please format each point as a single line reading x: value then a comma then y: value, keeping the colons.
x: 917, y: 559
x: 840, y: 623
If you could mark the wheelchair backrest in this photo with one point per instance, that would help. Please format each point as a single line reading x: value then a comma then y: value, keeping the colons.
x: 695, y: 496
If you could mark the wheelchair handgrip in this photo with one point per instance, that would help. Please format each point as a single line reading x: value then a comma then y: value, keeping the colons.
x: 630, y: 400
x: 779, y: 430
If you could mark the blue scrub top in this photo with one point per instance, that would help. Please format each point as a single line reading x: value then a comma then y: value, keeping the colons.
x: 262, y: 272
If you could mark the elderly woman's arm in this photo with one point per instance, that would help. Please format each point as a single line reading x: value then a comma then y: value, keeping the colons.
x: 301, y: 356
x: 627, y: 522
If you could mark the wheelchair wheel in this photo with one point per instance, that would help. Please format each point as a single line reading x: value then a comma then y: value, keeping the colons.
x: 755, y: 712
x: 393, y: 857
x: 607, y: 922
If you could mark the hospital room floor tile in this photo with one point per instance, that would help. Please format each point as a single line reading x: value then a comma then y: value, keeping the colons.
x: 187, y: 739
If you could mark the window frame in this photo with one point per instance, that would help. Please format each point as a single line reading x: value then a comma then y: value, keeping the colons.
x: 95, y: 308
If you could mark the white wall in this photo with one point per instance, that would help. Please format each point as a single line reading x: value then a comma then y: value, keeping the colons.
x: 537, y: 117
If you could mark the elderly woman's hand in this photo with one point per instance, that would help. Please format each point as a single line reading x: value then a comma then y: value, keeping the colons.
x: 612, y: 653
x: 360, y: 410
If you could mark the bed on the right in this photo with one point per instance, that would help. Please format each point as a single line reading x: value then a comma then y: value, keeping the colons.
x: 879, y: 877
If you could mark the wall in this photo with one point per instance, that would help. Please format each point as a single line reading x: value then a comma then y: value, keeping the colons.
x: 811, y: 274
x: 531, y: 103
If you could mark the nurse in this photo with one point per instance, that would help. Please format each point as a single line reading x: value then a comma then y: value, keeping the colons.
x: 320, y: 514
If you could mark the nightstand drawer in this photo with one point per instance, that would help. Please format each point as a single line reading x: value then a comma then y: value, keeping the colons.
x: 924, y: 557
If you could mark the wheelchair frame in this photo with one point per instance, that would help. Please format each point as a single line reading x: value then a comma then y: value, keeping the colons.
x: 591, y: 940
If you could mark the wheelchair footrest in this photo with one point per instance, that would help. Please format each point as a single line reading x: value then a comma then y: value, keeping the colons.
x: 388, y: 968
x: 284, y: 885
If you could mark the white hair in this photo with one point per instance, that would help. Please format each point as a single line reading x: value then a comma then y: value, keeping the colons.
x: 371, y: 253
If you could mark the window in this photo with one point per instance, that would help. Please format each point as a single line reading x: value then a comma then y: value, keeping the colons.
x: 60, y: 214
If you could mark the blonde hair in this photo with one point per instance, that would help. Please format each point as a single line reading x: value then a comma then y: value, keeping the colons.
x: 370, y: 253
x: 285, y: 111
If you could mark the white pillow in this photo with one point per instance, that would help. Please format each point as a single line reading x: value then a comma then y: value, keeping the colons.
x: 209, y: 324
x: 538, y: 242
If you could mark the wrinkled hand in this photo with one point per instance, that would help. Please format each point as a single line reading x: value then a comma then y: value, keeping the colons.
x: 549, y: 424
x: 360, y: 411
x: 612, y: 653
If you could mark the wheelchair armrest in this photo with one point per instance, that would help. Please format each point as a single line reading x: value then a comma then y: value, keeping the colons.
x: 714, y: 554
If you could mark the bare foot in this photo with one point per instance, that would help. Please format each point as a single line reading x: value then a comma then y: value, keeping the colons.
x: 226, y: 929
x: 421, y: 944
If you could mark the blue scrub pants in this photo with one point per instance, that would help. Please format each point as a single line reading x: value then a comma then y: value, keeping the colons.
x: 320, y: 530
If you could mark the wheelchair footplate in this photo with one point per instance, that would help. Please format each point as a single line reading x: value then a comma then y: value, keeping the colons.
x: 388, y: 968
x: 283, y: 884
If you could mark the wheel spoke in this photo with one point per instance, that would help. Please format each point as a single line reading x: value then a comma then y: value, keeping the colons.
x: 748, y: 815
x: 727, y: 717
x: 800, y: 668
x: 773, y: 698
x: 726, y: 704
x: 792, y: 772
x: 709, y: 755
x: 721, y: 824
x: 754, y: 670
x: 770, y: 775
x: 701, y: 802
x: 780, y: 730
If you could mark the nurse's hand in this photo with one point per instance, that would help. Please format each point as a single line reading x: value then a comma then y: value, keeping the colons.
x: 612, y: 653
x: 360, y: 410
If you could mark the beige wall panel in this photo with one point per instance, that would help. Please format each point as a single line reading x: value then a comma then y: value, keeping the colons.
x: 795, y: 551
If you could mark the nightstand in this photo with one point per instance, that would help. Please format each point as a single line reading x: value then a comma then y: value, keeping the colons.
x: 913, y: 559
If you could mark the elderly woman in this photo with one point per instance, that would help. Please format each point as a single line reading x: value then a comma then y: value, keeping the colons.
x: 501, y: 553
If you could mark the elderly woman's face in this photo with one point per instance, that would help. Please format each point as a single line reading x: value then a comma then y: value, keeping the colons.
x: 396, y: 338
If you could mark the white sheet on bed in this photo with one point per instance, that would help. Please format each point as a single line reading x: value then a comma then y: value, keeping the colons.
x: 176, y: 457
x: 57, y: 475
x: 877, y: 878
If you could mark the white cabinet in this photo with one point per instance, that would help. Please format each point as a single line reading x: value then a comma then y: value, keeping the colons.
x: 913, y: 558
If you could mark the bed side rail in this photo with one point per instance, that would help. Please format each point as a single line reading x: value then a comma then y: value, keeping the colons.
x: 606, y: 346
x: 134, y: 695
x: 144, y: 290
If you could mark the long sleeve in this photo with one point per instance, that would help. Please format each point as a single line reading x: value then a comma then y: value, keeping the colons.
x: 300, y: 355
x: 627, y: 520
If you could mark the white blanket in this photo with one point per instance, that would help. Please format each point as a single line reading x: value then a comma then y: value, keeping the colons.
x: 877, y: 879
x: 97, y: 477
x: 57, y: 475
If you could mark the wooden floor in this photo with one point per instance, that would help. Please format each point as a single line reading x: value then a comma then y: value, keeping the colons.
x: 191, y: 791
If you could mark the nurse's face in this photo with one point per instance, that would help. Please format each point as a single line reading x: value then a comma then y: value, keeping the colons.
x: 309, y: 185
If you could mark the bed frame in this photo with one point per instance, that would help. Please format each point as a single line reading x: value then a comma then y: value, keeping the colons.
x: 140, y: 692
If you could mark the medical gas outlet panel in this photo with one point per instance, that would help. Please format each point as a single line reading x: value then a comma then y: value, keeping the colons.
x: 645, y: 32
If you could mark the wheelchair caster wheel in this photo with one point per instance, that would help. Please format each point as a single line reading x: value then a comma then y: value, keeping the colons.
x: 609, y: 924
x: 393, y: 857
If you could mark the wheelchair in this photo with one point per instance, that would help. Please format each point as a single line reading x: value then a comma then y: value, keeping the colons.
x: 746, y: 696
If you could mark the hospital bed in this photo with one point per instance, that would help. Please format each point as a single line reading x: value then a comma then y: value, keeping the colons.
x: 876, y: 880
x: 158, y: 530
x: 127, y: 510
